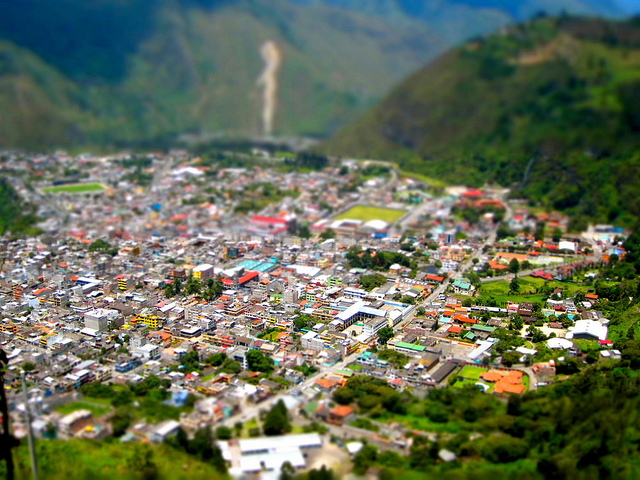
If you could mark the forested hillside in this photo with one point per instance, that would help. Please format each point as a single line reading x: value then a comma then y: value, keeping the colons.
x: 551, y: 108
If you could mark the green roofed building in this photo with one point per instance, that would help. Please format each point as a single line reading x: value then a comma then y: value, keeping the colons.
x: 483, y: 328
x: 409, y: 347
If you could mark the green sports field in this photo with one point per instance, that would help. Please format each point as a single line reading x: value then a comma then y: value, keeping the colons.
x: 366, y: 214
x: 76, y: 188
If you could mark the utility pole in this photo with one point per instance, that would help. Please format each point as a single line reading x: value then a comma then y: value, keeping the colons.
x: 32, y: 445
x: 7, y: 441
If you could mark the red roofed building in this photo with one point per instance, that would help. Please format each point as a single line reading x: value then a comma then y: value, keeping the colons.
x: 269, y: 225
x: 341, y: 415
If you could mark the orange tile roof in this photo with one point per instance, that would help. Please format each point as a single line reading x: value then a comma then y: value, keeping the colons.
x: 504, y: 387
x: 491, y: 376
x: 342, y: 411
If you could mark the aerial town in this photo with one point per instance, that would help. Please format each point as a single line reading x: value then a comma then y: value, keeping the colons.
x: 167, y: 293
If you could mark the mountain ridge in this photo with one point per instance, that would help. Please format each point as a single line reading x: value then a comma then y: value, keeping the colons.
x: 555, y: 97
x: 128, y: 71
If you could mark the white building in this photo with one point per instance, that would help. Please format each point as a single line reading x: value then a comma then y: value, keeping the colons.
x: 99, y: 318
x: 588, y: 330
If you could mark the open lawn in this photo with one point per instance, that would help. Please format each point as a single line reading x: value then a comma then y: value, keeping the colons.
x: 422, y: 423
x: 366, y: 214
x: 471, y: 372
x: 499, y: 290
x: 471, y: 375
x: 72, y: 407
x: 434, y: 182
x: 81, y: 459
x: 76, y: 188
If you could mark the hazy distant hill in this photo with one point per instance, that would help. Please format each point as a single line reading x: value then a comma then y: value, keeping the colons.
x: 552, y: 107
x: 99, y: 71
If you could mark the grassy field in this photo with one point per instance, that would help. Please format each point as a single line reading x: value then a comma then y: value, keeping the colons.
x: 84, y: 459
x: 76, y: 188
x: 499, y: 290
x: 434, y: 182
x: 366, y: 214
x: 470, y: 374
x: 422, y: 423
x: 72, y: 407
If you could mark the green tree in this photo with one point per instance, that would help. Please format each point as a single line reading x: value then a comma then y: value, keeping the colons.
x: 302, y: 322
x: 514, y: 286
x: 516, y: 323
x: 216, y: 359
x: 510, y: 358
x: 28, y: 367
x: 257, y: 361
x: 141, y: 462
x: 193, y: 287
x: 224, y: 433
x: 514, y: 266
x: 631, y: 333
x: 385, y: 334
x: 369, y: 282
x: 327, y: 234
x: 277, y: 420
x: 364, y: 459
x: 557, y: 235
x: 304, y: 231
x: 99, y: 245
x: 213, y: 290
x: 120, y: 421
x: 287, y: 471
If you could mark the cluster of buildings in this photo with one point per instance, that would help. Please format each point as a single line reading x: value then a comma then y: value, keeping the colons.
x: 175, y: 254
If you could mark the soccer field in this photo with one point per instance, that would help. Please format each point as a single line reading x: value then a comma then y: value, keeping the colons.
x: 76, y: 188
x: 366, y: 214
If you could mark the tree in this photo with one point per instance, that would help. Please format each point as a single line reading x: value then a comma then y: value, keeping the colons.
x: 28, y: 367
x: 193, y: 287
x: 259, y: 362
x: 516, y: 323
x: 120, y: 421
x: 327, y: 234
x: 321, y: 474
x: 141, y: 462
x: 514, y: 266
x: 231, y: 366
x: 287, y: 472
x: 557, y: 235
x: 364, y: 459
x: 304, y: 321
x: 216, y: 359
x: 369, y: 282
x: 99, y: 245
x: 224, y: 433
x: 277, y: 420
x: 214, y: 289
x: 536, y: 335
x: 514, y: 286
x: 631, y: 333
x: 385, y: 334
x: 510, y: 358
x: 304, y: 232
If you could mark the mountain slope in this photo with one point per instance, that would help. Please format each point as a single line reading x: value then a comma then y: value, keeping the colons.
x: 126, y: 71
x: 551, y: 107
